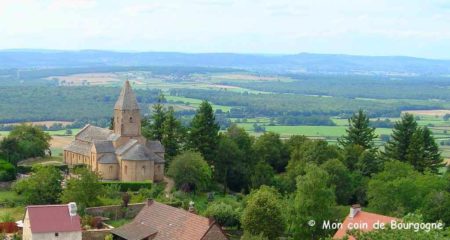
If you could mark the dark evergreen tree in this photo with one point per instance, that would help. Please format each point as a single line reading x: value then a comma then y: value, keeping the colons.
x: 402, y: 134
x: 153, y: 127
x: 423, y: 152
x: 359, y: 132
x: 203, y: 135
x: 228, y: 158
x: 173, y: 134
x: 239, y: 176
x: 432, y: 156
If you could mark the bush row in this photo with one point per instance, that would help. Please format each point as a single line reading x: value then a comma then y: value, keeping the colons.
x: 128, y: 186
x: 28, y: 169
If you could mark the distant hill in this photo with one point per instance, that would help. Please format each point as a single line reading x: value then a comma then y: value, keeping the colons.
x: 298, y: 63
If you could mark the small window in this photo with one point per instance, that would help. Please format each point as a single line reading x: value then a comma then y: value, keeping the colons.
x: 131, y: 119
x: 56, y: 234
x: 143, y: 170
x: 126, y: 170
x: 110, y: 169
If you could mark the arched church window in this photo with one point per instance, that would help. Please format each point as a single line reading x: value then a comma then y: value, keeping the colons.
x: 131, y: 119
x: 110, y: 169
x: 143, y: 170
x: 126, y: 170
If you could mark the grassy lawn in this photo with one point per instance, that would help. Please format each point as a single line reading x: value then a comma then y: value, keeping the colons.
x: 119, y: 222
x: 55, y: 160
x: 16, y: 213
x: 310, y: 131
x: 9, y: 195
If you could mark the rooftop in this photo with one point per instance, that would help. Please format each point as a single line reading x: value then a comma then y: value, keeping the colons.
x: 52, y: 218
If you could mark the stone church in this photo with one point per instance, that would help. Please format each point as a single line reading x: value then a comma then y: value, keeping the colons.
x: 122, y: 153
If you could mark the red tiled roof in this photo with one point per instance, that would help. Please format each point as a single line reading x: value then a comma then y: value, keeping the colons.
x: 52, y: 218
x: 172, y: 223
x: 360, y: 218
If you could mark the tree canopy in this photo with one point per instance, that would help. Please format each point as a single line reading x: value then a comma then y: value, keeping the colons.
x: 263, y: 214
x: 42, y: 187
x: 190, y: 171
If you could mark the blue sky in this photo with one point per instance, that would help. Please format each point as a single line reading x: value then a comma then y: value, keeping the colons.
x: 418, y: 28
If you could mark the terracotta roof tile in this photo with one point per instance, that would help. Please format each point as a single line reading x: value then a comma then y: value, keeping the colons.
x: 361, y: 217
x: 172, y: 223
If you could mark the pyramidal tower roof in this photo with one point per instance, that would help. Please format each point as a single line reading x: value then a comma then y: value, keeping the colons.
x: 127, y: 99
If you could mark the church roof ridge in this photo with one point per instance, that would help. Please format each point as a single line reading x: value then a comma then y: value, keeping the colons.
x: 127, y: 99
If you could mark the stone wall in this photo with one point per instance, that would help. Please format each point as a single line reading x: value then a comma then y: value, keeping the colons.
x: 116, y: 211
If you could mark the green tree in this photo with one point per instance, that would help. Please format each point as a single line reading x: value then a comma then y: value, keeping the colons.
x: 311, y: 151
x: 203, y: 135
x: 263, y: 214
x: 359, y: 132
x: 25, y: 141
x: 432, y: 157
x: 341, y: 179
x: 262, y: 174
x: 10, y: 150
x: 314, y: 200
x: 399, y: 189
x: 389, y: 233
x: 85, y: 189
x: 190, y: 171
x: 397, y: 147
x: 436, y: 206
x: 239, y: 176
x: 42, y: 187
x: 173, y: 135
x: 228, y: 158
x: 7, y: 171
x: 269, y: 148
x: 152, y: 128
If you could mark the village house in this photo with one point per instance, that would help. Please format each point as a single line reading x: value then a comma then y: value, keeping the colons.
x: 361, y: 220
x: 122, y: 153
x: 51, y: 222
x: 157, y: 221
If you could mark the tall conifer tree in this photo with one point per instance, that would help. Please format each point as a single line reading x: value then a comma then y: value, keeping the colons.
x: 152, y: 128
x: 203, y: 135
x: 402, y: 134
x: 359, y: 132
x: 173, y: 134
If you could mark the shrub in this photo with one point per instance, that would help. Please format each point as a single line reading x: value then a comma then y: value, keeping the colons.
x: 128, y: 186
x: 28, y: 169
x: 224, y: 214
x: 7, y: 171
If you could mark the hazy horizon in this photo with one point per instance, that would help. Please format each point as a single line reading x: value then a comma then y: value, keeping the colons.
x: 368, y: 28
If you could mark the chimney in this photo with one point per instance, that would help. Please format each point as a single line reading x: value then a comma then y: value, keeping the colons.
x: 355, y: 209
x: 149, y: 202
x: 191, y: 207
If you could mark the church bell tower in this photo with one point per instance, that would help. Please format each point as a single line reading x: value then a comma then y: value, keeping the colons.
x: 127, y: 118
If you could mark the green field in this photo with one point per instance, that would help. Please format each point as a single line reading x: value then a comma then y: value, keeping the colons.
x: 194, y: 102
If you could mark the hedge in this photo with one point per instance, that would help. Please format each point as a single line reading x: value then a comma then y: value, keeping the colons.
x: 28, y: 169
x: 129, y: 186
x: 7, y: 171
